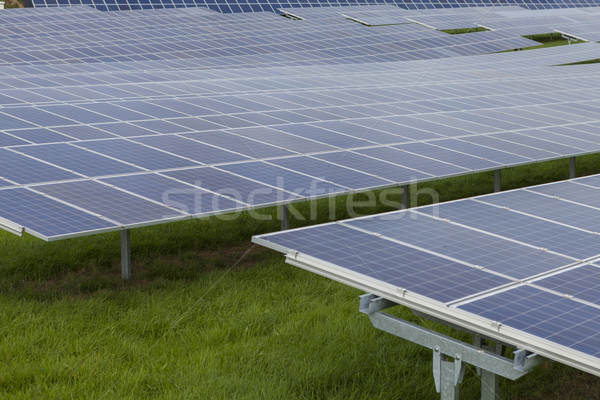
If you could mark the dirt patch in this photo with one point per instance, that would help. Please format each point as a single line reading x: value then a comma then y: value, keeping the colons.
x: 13, y: 4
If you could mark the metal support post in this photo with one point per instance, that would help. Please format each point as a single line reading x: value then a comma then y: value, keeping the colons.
x: 572, y: 168
x: 489, y: 381
x: 450, y: 355
x: 404, y: 197
x: 285, y: 217
x: 497, y: 180
x: 447, y: 374
x: 125, y: 255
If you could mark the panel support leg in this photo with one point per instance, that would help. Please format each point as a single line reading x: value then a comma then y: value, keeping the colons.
x: 572, y: 168
x: 489, y: 380
x: 125, y: 255
x: 497, y: 180
x: 404, y: 197
x: 448, y: 374
x: 285, y: 217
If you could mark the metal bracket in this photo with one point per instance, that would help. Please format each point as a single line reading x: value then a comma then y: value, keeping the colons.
x: 11, y: 227
x: 449, y: 374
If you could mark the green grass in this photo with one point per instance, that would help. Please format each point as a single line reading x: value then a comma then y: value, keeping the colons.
x: 549, y: 40
x: 464, y: 30
x: 208, y: 315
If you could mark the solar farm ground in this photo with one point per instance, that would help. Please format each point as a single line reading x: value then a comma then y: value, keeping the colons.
x: 208, y: 315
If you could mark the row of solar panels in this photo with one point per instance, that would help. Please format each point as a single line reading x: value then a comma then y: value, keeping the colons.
x: 129, y: 133
x: 245, y: 6
x: 524, y: 259
x: 214, y: 40
x: 218, y: 162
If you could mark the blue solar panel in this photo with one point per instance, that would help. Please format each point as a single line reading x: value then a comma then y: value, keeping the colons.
x: 389, y: 262
x: 75, y: 113
x: 137, y: 154
x: 7, y: 140
x: 449, y: 156
x: 593, y: 181
x: 185, y: 198
x: 413, y: 161
x: 123, y: 208
x: 546, y: 315
x: 46, y: 216
x: 330, y: 172
x: 302, y: 185
x: 231, y: 142
x: 244, y: 6
x: 324, y: 136
x: 370, y: 133
x: 582, y: 282
x: 240, y: 189
x: 22, y: 169
x: 461, y: 243
x: 571, y: 191
x: 78, y: 160
x: 550, y: 208
x: 191, y: 149
x: 494, y: 155
x: 523, y: 228
x: 280, y: 139
x: 38, y: 135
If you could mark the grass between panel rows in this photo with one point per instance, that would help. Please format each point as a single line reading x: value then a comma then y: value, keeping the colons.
x: 208, y: 315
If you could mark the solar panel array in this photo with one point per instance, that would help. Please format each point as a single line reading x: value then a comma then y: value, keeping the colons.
x: 523, y: 263
x: 214, y: 40
x: 155, y: 128
x: 244, y: 6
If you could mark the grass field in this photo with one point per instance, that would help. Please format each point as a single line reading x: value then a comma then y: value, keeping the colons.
x: 208, y: 315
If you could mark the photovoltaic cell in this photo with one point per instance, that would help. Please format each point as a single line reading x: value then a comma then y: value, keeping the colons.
x: 39, y: 136
x: 582, y: 282
x: 191, y: 149
x: 137, y: 154
x: 302, y: 185
x: 78, y: 160
x: 108, y: 202
x: 46, y: 216
x: 389, y: 171
x: 571, y: 191
x: 238, y: 144
x: 237, y: 188
x: 487, y: 251
x: 332, y: 173
x: 546, y: 315
x: 180, y: 196
x: 535, y: 232
x: 23, y: 170
x: 389, y: 262
x: 413, y: 161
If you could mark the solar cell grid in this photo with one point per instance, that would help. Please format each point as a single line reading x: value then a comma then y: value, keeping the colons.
x: 120, y: 207
x: 548, y: 303
x: 46, y: 217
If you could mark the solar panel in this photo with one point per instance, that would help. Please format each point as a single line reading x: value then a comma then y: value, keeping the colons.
x: 532, y: 282
x: 272, y: 5
x: 344, y: 113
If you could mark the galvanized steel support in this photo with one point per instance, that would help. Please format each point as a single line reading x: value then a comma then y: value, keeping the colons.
x: 404, y: 197
x: 572, y: 167
x: 497, y: 180
x: 450, y: 355
x: 125, y: 255
x: 285, y: 217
